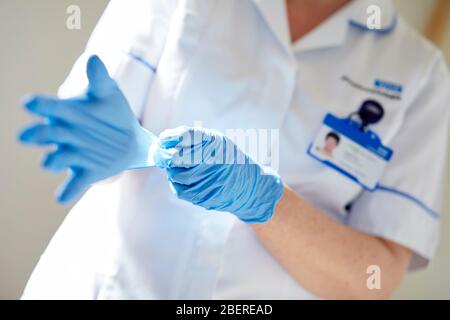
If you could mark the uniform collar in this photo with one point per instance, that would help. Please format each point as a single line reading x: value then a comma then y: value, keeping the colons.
x: 333, y: 31
x: 274, y: 13
x: 358, y: 15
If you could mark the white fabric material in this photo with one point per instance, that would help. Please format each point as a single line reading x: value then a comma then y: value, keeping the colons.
x: 230, y: 65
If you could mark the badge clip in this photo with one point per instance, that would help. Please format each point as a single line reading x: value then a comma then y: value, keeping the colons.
x: 370, y: 112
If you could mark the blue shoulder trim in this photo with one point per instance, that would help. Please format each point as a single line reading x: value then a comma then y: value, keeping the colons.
x: 142, y: 60
x: 405, y: 195
x: 363, y: 27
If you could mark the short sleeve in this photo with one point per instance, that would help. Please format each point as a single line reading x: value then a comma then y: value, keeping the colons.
x: 405, y: 207
x: 129, y: 38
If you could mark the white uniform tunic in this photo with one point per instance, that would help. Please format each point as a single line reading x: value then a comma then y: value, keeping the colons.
x: 230, y: 64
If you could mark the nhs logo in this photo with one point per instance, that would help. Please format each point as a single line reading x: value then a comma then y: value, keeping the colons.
x: 388, y: 86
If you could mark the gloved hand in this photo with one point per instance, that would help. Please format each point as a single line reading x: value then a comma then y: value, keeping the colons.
x: 209, y: 170
x: 96, y: 135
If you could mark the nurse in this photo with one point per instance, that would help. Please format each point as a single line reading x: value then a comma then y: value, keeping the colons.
x: 209, y: 230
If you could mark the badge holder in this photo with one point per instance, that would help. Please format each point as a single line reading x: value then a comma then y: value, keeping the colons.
x: 351, y: 148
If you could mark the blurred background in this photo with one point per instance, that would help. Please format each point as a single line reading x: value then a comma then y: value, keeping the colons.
x: 37, y: 53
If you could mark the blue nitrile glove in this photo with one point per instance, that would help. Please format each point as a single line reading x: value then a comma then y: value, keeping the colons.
x: 96, y: 134
x: 209, y: 170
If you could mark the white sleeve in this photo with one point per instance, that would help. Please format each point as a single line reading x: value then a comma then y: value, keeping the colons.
x: 405, y: 207
x: 129, y: 38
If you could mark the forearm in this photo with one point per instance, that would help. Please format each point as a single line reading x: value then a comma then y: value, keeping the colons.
x: 326, y: 257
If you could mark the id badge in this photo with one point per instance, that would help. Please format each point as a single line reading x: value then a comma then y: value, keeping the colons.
x: 357, y: 154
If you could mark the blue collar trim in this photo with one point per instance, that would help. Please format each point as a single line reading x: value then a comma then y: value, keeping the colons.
x: 363, y: 27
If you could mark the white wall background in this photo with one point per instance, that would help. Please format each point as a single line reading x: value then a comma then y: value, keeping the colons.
x: 36, y: 53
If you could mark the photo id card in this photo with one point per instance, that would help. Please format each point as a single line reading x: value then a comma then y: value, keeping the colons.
x: 357, y: 154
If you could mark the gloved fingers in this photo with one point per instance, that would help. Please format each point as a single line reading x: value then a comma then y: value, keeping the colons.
x: 190, y: 176
x: 201, y: 193
x: 197, y: 146
x: 100, y: 83
x: 169, y: 138
x: 66, y: 110
x: 32, y: 135
x: 69, y: 111
x: 179, y: 175
x: 45, y: 134
x: 210, y: 198
x: 184, y: 137
x: 64, y: 158
x: 77, y: 182
x: 186, y: 157
x: 160, y: 157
